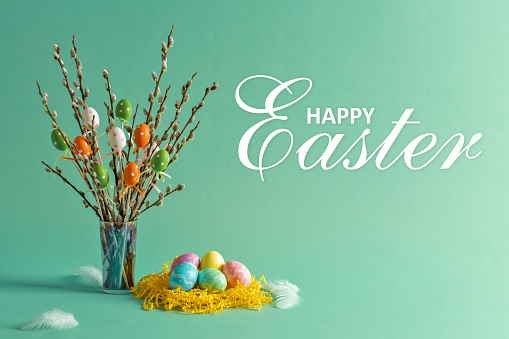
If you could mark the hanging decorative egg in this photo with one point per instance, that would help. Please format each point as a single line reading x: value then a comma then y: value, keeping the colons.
x: 58, y: 141
x: 90, y: 115
x: 160, y: 160
x: 153, y: 150
x: 102, y: 175
x: 82, y: 145
x: 141, y: 136
x: 116, y: 139
x: 124, y: 110
x: 131, y: 173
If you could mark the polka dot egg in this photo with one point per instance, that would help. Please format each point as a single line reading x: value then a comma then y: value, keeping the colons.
x: 124, y: 109
x: 116, y: 139
x: 89, y: 116
x: 211, y: 279
x: 82, y: 145
x: 184, y: 276
x: 131, y: 173
x: 236, y: 273
x: 213, y: 260
x: 58, y: 141
x: 102, y: 175
x: 187, y: 257
x: 160, y: 160
x: 142, y: 135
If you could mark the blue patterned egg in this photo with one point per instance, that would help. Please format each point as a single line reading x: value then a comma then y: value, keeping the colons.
x: 212, y: 279
x: 184, y: 276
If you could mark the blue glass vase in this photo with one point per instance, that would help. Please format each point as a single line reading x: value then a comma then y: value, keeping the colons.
x: 118, y: 249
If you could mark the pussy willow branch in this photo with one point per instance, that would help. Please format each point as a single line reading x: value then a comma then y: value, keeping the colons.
x: 131, y: 135
x: 66, y: 83
x: 167, y: 194
x: 73, y: 187
x: 83, y: 96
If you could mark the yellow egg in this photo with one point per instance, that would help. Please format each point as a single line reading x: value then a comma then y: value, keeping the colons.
x: 212, y: 260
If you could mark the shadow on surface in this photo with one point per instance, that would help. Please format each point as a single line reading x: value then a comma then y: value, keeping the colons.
x: 66, y: 283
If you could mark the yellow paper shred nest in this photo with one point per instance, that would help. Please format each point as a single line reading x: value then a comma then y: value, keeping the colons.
x: 155, y: 289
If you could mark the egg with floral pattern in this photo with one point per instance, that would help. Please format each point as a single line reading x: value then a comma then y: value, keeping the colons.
x: 184, y: 276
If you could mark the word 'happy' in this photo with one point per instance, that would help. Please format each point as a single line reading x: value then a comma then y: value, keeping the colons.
x: 408, y: 153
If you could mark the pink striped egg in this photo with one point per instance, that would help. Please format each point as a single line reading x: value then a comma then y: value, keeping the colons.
x: 235, y: 272
x: 186, y: 257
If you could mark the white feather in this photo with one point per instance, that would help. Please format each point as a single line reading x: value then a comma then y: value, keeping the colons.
x: 55, y: 319
x: 284, y: 293
x: 90, y: 275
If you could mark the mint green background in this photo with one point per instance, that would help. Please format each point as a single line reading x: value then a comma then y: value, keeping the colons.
x: 377, y: 254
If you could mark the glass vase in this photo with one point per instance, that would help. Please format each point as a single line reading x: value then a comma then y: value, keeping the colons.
x: 118, y: 253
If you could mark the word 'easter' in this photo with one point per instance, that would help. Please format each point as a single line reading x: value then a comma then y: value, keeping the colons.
x: 408, y: 153
x: 342, y: 113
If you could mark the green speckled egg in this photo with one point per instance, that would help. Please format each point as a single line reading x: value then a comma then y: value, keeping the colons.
x: 211, y: 279
x: 160, y: 160
x: 124, y: 109
x: 58, y: 141
x: 102, y: 175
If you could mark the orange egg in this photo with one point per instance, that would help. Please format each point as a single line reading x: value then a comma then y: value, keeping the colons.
x: 131, y: 172
x: 142, y: 135
x: 82, y: 146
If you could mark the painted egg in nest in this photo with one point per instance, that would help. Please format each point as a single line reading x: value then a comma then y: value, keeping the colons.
x: 124, y: 109
x: 160, y: 160
x: 58, y: 141
x: 236, y: 273
x: 186, y: 257
x: 213, y: 260
x: 211, y: 279
x: 89, y: 116
x: 116, y: 139
x: 102, y: 175
x: 184, y: 276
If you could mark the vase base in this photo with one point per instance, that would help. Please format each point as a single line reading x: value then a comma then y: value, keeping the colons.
x: 109, y: 291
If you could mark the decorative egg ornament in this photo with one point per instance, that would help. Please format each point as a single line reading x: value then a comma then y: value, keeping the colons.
x: 160, y: 161
x: 184, y: 276
x: 141, y: 136
x: 212, y: 260
x: 130, y: 177
x: 187, y: 257
x: 90, y: 115
x: 211, y: 279
x: 124, y: 110
x: 236, y: 273
x: 102, y: 175
x: 82, y: 146
x: 116, y: 139
x: 58, y: 141
x: 153, y: 149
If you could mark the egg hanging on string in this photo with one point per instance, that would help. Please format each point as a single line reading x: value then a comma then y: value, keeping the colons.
x: 123, y: 110
x: 102, y: 175
x: 160, y: 161
x: 58, y: 141
x: 82, y: 146
x: 116, y: 139
x: 90, y: 117
x: 141, y: 136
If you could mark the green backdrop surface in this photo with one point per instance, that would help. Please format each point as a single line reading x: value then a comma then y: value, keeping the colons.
x: 377, y: 254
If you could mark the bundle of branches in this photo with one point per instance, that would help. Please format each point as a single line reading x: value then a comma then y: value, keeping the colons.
x: 135, y: 173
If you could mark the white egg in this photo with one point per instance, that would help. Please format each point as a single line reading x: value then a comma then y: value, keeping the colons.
x: 144, y: 155
x: 116, y: 139
x: 89, y: 115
